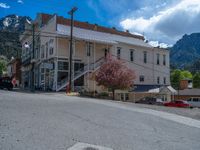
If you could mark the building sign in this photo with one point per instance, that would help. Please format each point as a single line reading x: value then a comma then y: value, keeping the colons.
x: 48, y: 66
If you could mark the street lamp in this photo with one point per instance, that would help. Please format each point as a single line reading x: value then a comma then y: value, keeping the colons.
x: 26, y: 45
x: 71, y: 12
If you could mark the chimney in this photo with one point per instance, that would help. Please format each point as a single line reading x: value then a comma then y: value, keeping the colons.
x: 113, y: 28
x: 183, y: 84
x: 95, y: 26
x: 127, y: 31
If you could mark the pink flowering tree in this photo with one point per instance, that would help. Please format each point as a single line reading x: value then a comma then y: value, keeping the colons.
x: 114, y: 74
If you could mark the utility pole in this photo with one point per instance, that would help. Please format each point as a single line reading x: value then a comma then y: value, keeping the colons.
x: 71, y: 12
x: 33, y: 60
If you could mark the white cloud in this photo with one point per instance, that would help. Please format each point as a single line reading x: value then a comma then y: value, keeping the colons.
x: 4, y: 5
x: 167, y: 24
x: 20, y: 1
x: 157, y: 44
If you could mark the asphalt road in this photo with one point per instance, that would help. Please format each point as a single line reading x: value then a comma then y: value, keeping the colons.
x: 57, y: 122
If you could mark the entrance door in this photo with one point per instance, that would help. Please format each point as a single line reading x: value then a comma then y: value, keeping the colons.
x: 47, y: 77
x: 106, y: 52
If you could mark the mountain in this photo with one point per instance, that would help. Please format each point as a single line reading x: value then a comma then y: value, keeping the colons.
x: 13, y: 23
x: 186, y: 51
x: 10, y: 28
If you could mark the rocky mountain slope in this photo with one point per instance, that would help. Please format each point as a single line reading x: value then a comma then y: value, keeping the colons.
x: 10, y: 28
x: 186, y: 51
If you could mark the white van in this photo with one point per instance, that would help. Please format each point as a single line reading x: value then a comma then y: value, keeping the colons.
x: 194, y: 101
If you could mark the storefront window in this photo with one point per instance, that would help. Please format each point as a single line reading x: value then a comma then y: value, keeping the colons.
x: 63, y: 65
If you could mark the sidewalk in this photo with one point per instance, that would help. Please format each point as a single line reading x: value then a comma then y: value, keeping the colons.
x: 187, y: 112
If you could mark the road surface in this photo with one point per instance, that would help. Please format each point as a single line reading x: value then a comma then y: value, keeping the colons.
x: 58, y: 122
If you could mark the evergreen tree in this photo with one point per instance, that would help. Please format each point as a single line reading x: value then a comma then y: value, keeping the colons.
x: 196, y: 80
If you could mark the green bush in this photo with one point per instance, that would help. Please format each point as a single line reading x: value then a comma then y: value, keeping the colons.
x: 103, y: 94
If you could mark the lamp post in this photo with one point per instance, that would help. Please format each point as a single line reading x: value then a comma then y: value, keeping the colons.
x: 32, y: 57
x: 71, y: 13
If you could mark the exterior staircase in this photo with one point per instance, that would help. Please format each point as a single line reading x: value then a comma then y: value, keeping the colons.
x: 77, y: 74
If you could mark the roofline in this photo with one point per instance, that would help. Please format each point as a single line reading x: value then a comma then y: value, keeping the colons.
x: 65, y: 21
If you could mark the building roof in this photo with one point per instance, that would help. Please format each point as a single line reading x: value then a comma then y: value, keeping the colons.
x: 153, y: 88
x: 144, y: 88
x: 192, y: 92
x: 186, y: 79
x: 88, y: 26
x: 83, y: 34
x: 108, y: 38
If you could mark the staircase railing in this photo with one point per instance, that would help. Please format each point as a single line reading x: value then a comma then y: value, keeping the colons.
x: 77, y: 74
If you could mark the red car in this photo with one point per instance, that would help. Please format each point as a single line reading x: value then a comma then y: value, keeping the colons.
x: 177, y: 103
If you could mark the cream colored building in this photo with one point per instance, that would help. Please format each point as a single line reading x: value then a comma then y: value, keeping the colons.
x: 90, y: 46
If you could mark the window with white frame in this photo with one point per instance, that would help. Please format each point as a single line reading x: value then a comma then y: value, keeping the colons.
x: 164, y: 60
x: 158, y: 59
x: 132, y: 51
x: 62, y: 65
x: 51, y: 47
x: 47, y: 49
x: 164, y: 80
x: 145, y: 56
x: 141, y: 78
x: 89, y: 49
x: 118, y: 52
x: 158, y: 80
x: 42, y: 51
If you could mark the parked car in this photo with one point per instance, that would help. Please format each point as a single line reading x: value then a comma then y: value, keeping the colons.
x: 194, y: 101
x: 150, y: 100
x: 177, y: 103
x: 6, y: 83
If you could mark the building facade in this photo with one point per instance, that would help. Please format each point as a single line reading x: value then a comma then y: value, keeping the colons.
x: 91, y: 44
x: 14, y: 71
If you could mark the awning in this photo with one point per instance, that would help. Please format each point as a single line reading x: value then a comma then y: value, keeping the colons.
x: 156, y: 90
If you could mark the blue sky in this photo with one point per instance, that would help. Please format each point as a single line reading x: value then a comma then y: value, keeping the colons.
x: 158, y: 20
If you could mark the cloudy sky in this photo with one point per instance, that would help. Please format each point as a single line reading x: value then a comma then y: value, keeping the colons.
x: 165, y: 21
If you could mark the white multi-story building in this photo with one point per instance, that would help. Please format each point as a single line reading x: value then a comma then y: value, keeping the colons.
x: 90, y: 46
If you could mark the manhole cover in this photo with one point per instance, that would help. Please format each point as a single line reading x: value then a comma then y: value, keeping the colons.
x: 90, y: 148
x: 85, y: 146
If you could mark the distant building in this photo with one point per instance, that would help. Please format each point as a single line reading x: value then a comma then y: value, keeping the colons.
x: 14, y: 70
x: 185, y: 84
x: 92, y: 43
x: 186, y: 90
x: 186, y: 94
